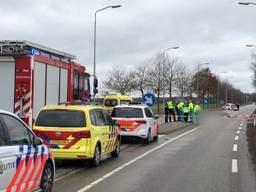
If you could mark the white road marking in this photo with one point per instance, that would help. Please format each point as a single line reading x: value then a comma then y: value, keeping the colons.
x: 89, y: 186
x: 236, y: 138
x: 234, y: 166
x: 235, y: 147
x: 241, y: 124
x: 240, y: 128
x: 238, y: 132
x: 161, y: 136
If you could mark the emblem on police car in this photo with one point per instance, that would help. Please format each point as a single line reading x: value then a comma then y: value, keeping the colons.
x: 57, y: 134
x: 1, y: 167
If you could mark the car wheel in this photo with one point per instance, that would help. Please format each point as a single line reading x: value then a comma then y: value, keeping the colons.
x: 96, y: 159
x: 47, y: 178
x: 155, y: 137
x: 116, y: 153
x: 148, y: 139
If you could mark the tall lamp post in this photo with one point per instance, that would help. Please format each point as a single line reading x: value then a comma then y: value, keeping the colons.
x: 197, y: 79
x: 95, y: 81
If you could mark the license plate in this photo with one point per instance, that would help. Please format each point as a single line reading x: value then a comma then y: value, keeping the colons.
x: 59, y: 142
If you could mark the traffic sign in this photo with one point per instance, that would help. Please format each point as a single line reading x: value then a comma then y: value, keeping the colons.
x: 205, y: 101
x: 149, y: 99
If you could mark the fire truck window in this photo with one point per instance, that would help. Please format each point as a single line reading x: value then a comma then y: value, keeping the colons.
x: 76, y: 86
x: 86, y: 83
x: 18, y: 132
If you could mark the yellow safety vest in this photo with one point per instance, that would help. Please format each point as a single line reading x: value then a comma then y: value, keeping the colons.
x: 197, y: 109
x: 191, y: 106
x: 170, y: 105
x: 186, y: 110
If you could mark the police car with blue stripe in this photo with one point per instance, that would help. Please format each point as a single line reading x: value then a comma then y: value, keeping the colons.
x: 25, y: 163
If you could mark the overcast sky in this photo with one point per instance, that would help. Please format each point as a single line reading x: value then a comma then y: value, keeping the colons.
x: 214, y: 31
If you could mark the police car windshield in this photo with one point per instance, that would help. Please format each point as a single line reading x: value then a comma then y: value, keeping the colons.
x: 127, y: 112
x: 61, y: 118
x: 111, y: 102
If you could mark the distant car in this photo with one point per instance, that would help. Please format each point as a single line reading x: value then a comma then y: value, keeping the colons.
x: 230, y: 107
x: 78, y: 132
x: 136, y: 121
x: 25, y: 163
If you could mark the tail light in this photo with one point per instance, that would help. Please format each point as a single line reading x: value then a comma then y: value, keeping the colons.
x: 141, y: 121
x: 82, y: 134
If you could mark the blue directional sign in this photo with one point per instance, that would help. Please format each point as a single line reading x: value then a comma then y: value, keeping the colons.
x: 32, y: 52
x: 205, y: 101
x: 149, y: 99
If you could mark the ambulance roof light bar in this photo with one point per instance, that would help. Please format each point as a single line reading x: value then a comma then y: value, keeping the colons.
x: 26, y: 44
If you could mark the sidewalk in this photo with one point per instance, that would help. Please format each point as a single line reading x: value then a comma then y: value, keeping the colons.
x: 167, y: 128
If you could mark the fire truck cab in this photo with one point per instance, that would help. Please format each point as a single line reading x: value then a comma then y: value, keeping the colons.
x: 32, y: 76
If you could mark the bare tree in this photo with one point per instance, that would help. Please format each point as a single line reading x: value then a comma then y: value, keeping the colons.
x: 171, y: 73
x: 120, y: 81
x: 156, y: 75
x: 182, y: 82
x: 141, y: 76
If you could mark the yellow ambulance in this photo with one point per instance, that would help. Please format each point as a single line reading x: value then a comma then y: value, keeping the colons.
x: 110, y: 101
x: 78, y: 132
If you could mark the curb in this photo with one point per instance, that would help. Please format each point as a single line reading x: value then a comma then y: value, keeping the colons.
x: 175, y: 129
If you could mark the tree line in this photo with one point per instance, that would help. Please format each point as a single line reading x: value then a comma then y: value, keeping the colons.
x: 164, y: 76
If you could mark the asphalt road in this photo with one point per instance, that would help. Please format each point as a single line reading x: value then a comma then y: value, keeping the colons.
x: 210, y: 158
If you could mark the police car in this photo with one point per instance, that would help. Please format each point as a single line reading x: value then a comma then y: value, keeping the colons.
x: 78, y: 131
x: 25, y: 163
x: 136, y: 121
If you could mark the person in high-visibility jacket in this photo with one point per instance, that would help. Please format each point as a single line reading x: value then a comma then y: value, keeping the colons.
x: 186, y: 111
x: 171, y: 112
x: 197, y: 113
x: 166, y: 113
x: 191, y: 110
x: 181, y: 114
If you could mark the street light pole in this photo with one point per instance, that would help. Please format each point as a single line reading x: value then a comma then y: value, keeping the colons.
x: 94, y: 45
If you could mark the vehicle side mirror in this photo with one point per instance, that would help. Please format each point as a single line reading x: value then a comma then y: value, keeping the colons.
x: 156, y: 117
x: 95, y: 83
x: 37, y: 141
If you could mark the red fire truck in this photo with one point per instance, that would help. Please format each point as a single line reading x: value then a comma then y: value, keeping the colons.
x: 32, y: 76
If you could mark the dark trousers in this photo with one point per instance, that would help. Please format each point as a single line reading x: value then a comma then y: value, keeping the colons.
x: 186, y: 117
x: 171, y: 115
x: 166, y: 114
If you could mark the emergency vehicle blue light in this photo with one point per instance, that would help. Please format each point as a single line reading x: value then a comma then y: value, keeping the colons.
x: 32, y: 51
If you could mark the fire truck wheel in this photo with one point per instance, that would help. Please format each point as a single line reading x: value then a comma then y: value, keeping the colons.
x: 96, y: 159
x: 47, y: 178
x: 116, y: 153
